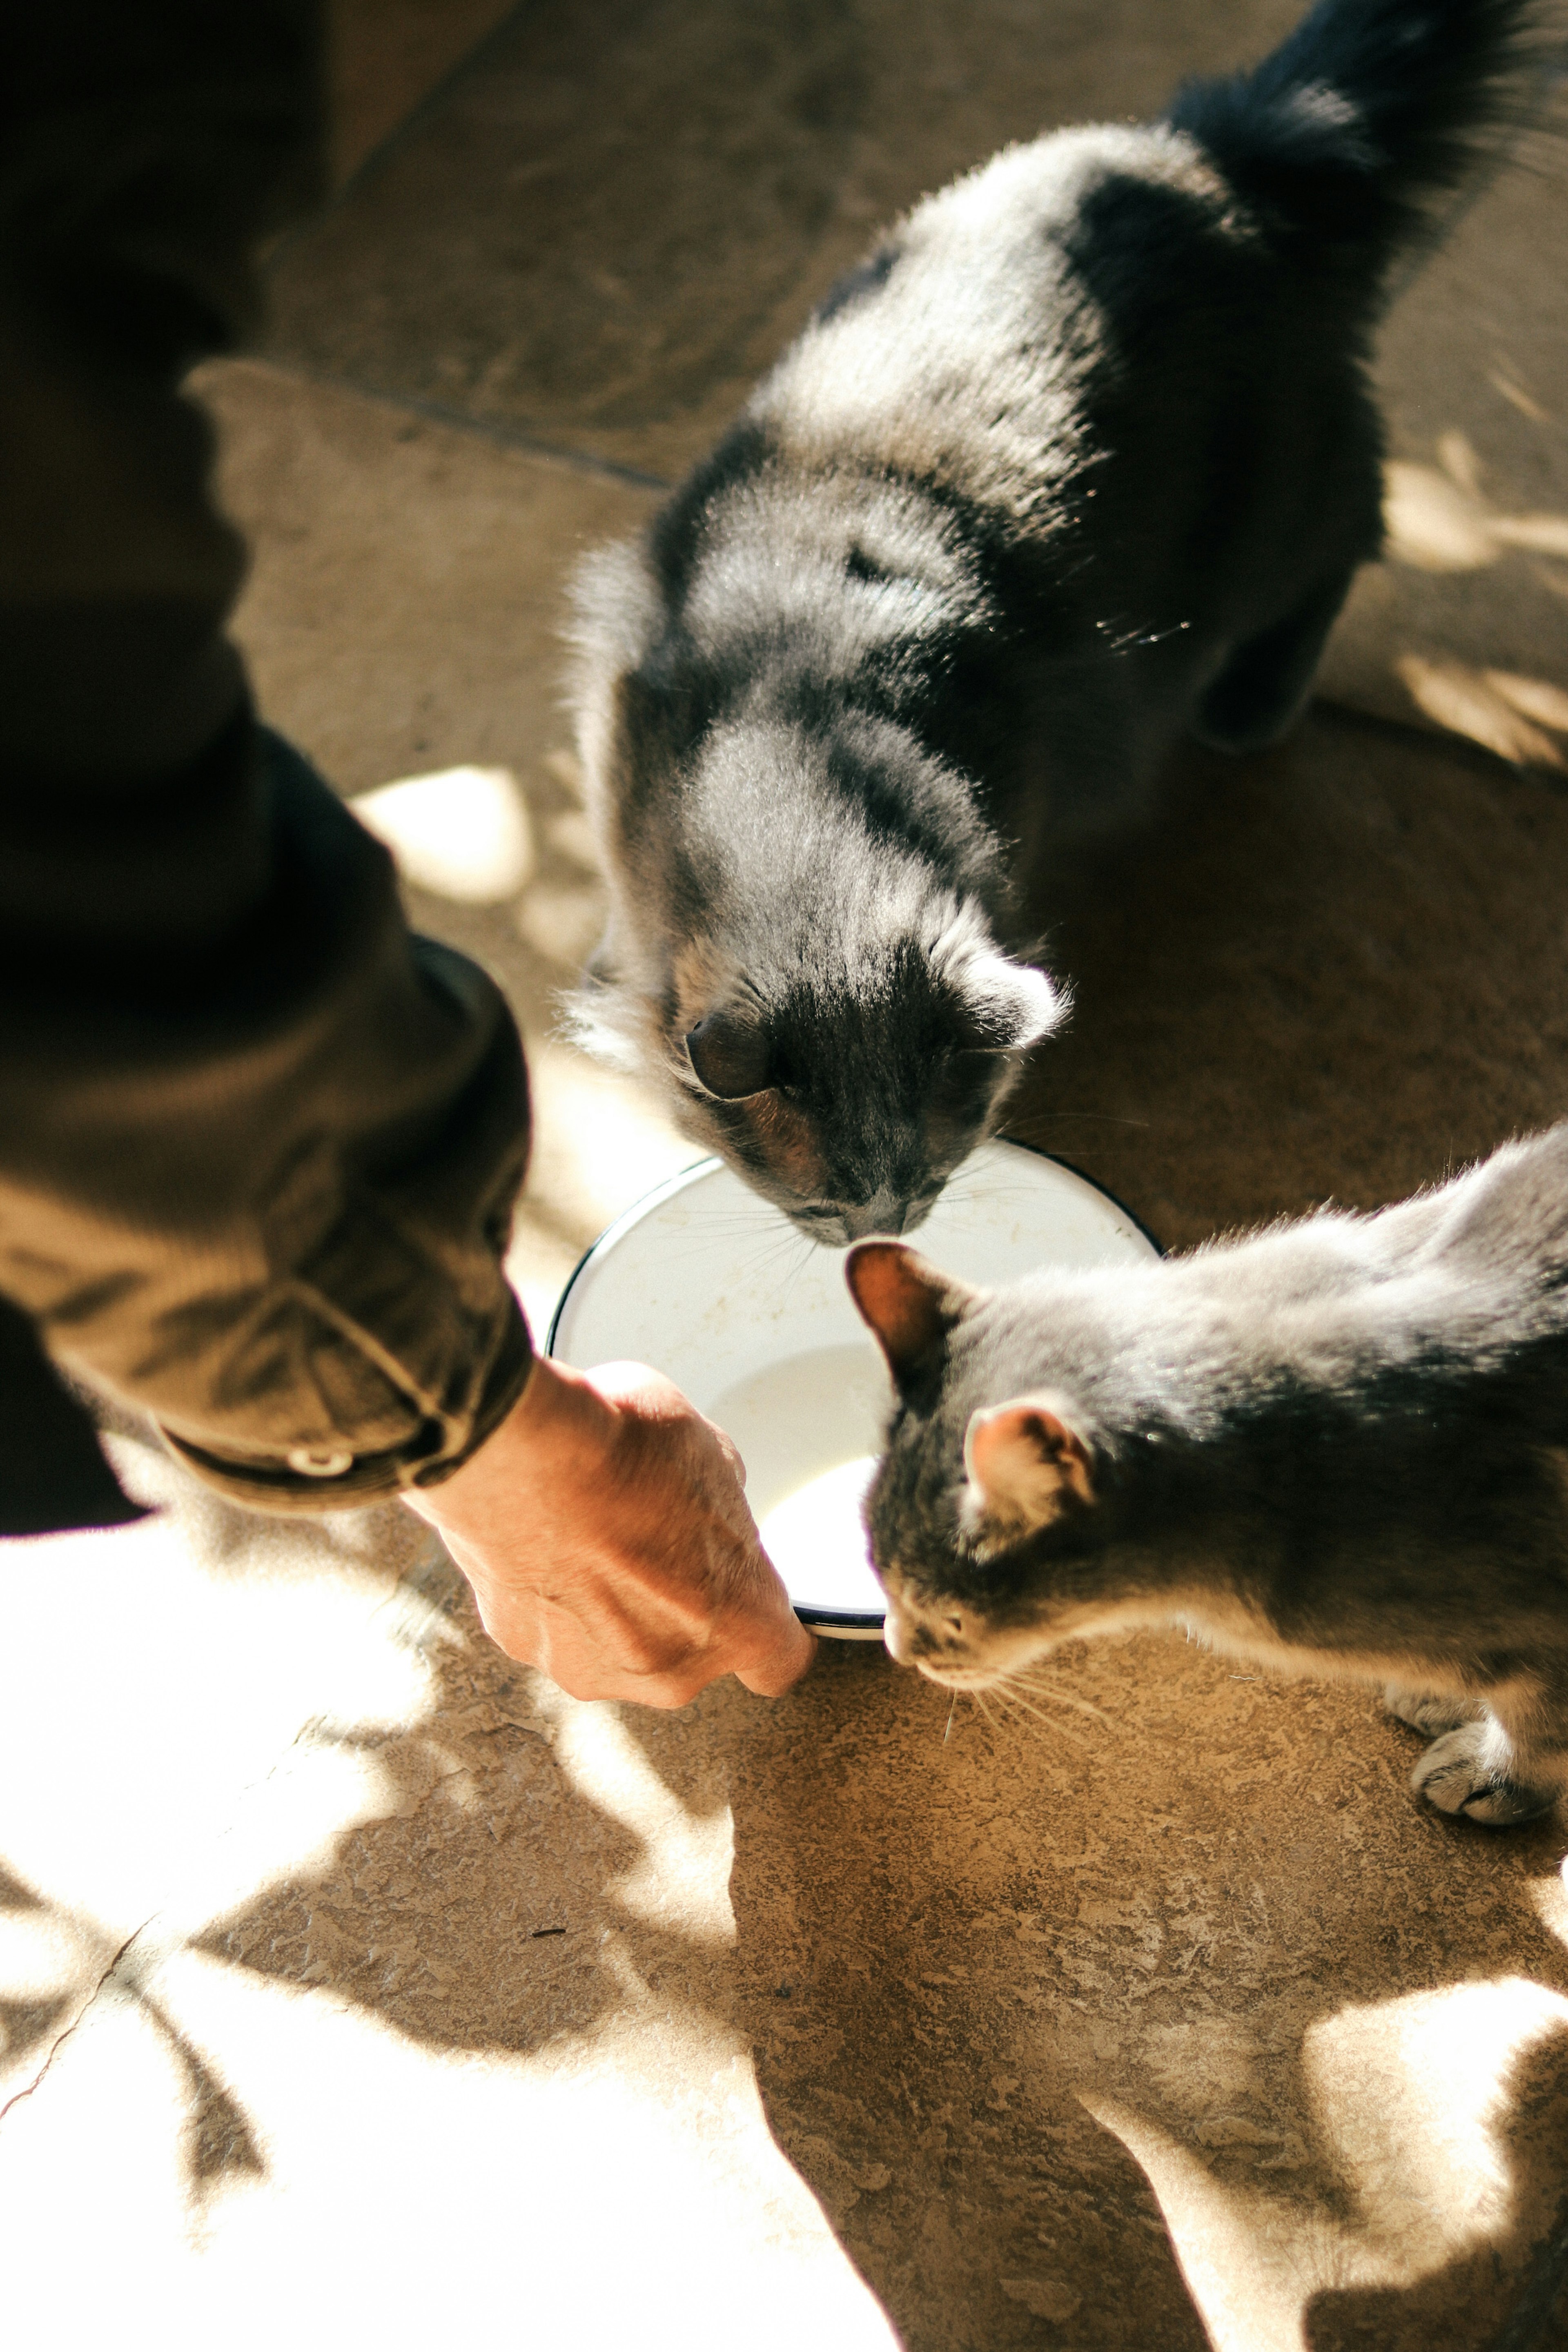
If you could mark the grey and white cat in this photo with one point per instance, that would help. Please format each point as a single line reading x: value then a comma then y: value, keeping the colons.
x: 1337, y: 1447
x: 1083, y: 458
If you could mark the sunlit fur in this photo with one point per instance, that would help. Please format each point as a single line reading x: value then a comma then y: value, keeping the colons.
x: 1082, y: 457
x: 1336, y: 1447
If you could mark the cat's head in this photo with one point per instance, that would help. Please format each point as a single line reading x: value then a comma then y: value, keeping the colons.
x: 816, y: 982
x: 990, y: 1513
x: 847, y: 1082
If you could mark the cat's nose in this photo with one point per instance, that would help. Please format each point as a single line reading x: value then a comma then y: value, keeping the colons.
x: 882, y: 1215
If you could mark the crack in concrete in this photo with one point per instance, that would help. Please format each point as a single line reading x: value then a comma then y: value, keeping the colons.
x: 495, y: 430
x: 59, y: 2043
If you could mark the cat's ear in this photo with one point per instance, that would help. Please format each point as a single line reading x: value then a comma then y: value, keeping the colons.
x: 1025, y: 1463
x: 730, y: 1056
x: 1012, y: 1004
x: 909, y: 1305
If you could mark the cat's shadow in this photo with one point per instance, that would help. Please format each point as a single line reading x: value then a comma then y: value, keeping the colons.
x: 972, y: 1969
x: 1457, y: 2304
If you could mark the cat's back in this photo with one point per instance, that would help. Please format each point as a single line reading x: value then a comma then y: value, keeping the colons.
x: 1501, y: 1226
x: 968, y: 350
x: 1457, y: 1287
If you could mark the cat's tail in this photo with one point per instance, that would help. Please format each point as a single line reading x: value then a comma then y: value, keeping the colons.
x: 1349, y: 138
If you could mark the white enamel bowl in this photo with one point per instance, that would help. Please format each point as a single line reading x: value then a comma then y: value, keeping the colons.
x: 719, y: 1290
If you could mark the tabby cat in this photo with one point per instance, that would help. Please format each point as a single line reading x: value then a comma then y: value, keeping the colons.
x: 1082, y: 458
x: 1336, y: 1447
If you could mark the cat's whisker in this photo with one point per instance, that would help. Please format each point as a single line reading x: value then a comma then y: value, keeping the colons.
x: 740, y: 1226
x: 1045, y: 1687
x: 777, y: 1250
x: 794, y: 1272
x: 947, y: 1735
x: 1053, y: 1722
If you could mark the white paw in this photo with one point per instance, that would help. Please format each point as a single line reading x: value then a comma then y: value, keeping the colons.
x: 1464, y: 1772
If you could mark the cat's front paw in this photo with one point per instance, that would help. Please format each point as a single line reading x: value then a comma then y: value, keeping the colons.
x: 1428, y: 1711
x: 1461, y: 1773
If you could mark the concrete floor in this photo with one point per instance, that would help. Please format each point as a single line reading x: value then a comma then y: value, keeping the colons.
x: 357, y: 1987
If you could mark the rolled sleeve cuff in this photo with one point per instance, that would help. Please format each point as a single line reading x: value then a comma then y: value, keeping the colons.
x: 328, y: 1477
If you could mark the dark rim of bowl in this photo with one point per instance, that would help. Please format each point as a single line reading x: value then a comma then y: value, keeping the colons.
x: 710, y: 1159
x: 858, y: 1621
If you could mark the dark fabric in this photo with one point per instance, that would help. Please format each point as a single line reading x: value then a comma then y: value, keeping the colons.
x: 259, y: 1146
x: 52, y: 1470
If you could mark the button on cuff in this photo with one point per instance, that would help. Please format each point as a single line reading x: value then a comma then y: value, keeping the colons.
x: 320, y: 1461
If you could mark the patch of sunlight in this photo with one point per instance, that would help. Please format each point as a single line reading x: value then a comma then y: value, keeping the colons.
x: 1457, y: 455
x: 1517, y: 397
x: 1240, y: 2249
x: 42, y: 1955
x: 613, y: 2189
x: 1409, y: 2098
x: 1544, y: 534
x: 562, y: 922
x: 1550, y: 1897
x: 145, y: 1688
x: 682, y: 1879
x: 288, y: 1825
x: 600, y: 1141
x: 463, y: 832
x: 1439, y: 518
x: 1431, y: 524
x: 1531, y: 695
x: 1493, y: 708
x: 1411, y: 2094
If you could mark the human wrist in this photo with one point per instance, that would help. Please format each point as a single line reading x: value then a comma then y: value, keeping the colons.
x: 555, y: 1429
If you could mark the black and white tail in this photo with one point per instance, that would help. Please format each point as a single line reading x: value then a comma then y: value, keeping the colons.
x: 1349, y: 137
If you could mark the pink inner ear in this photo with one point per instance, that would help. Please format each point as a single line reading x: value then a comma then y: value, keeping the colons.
x: 1003, y: 1444
x: 1021, y: 1455
x: 907, y: 1302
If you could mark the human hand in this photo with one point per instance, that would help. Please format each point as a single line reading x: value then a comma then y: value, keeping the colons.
x: 605, y: 1530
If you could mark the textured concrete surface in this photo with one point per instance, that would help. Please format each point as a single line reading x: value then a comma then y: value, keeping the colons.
x: 598, y: 246
x: 386, y: 59
x: 358, y: 1988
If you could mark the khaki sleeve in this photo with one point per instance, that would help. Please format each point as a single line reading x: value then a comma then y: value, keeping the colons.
x: 258, y: 1145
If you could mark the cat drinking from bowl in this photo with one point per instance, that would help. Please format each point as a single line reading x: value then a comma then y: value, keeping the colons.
x: 1082, y: 459
x: 1335, y: 1447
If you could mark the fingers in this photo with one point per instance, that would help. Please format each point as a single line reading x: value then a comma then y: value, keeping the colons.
x: 636, y: 1572
x: 780, y: 1648
x: 769, y: 1675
